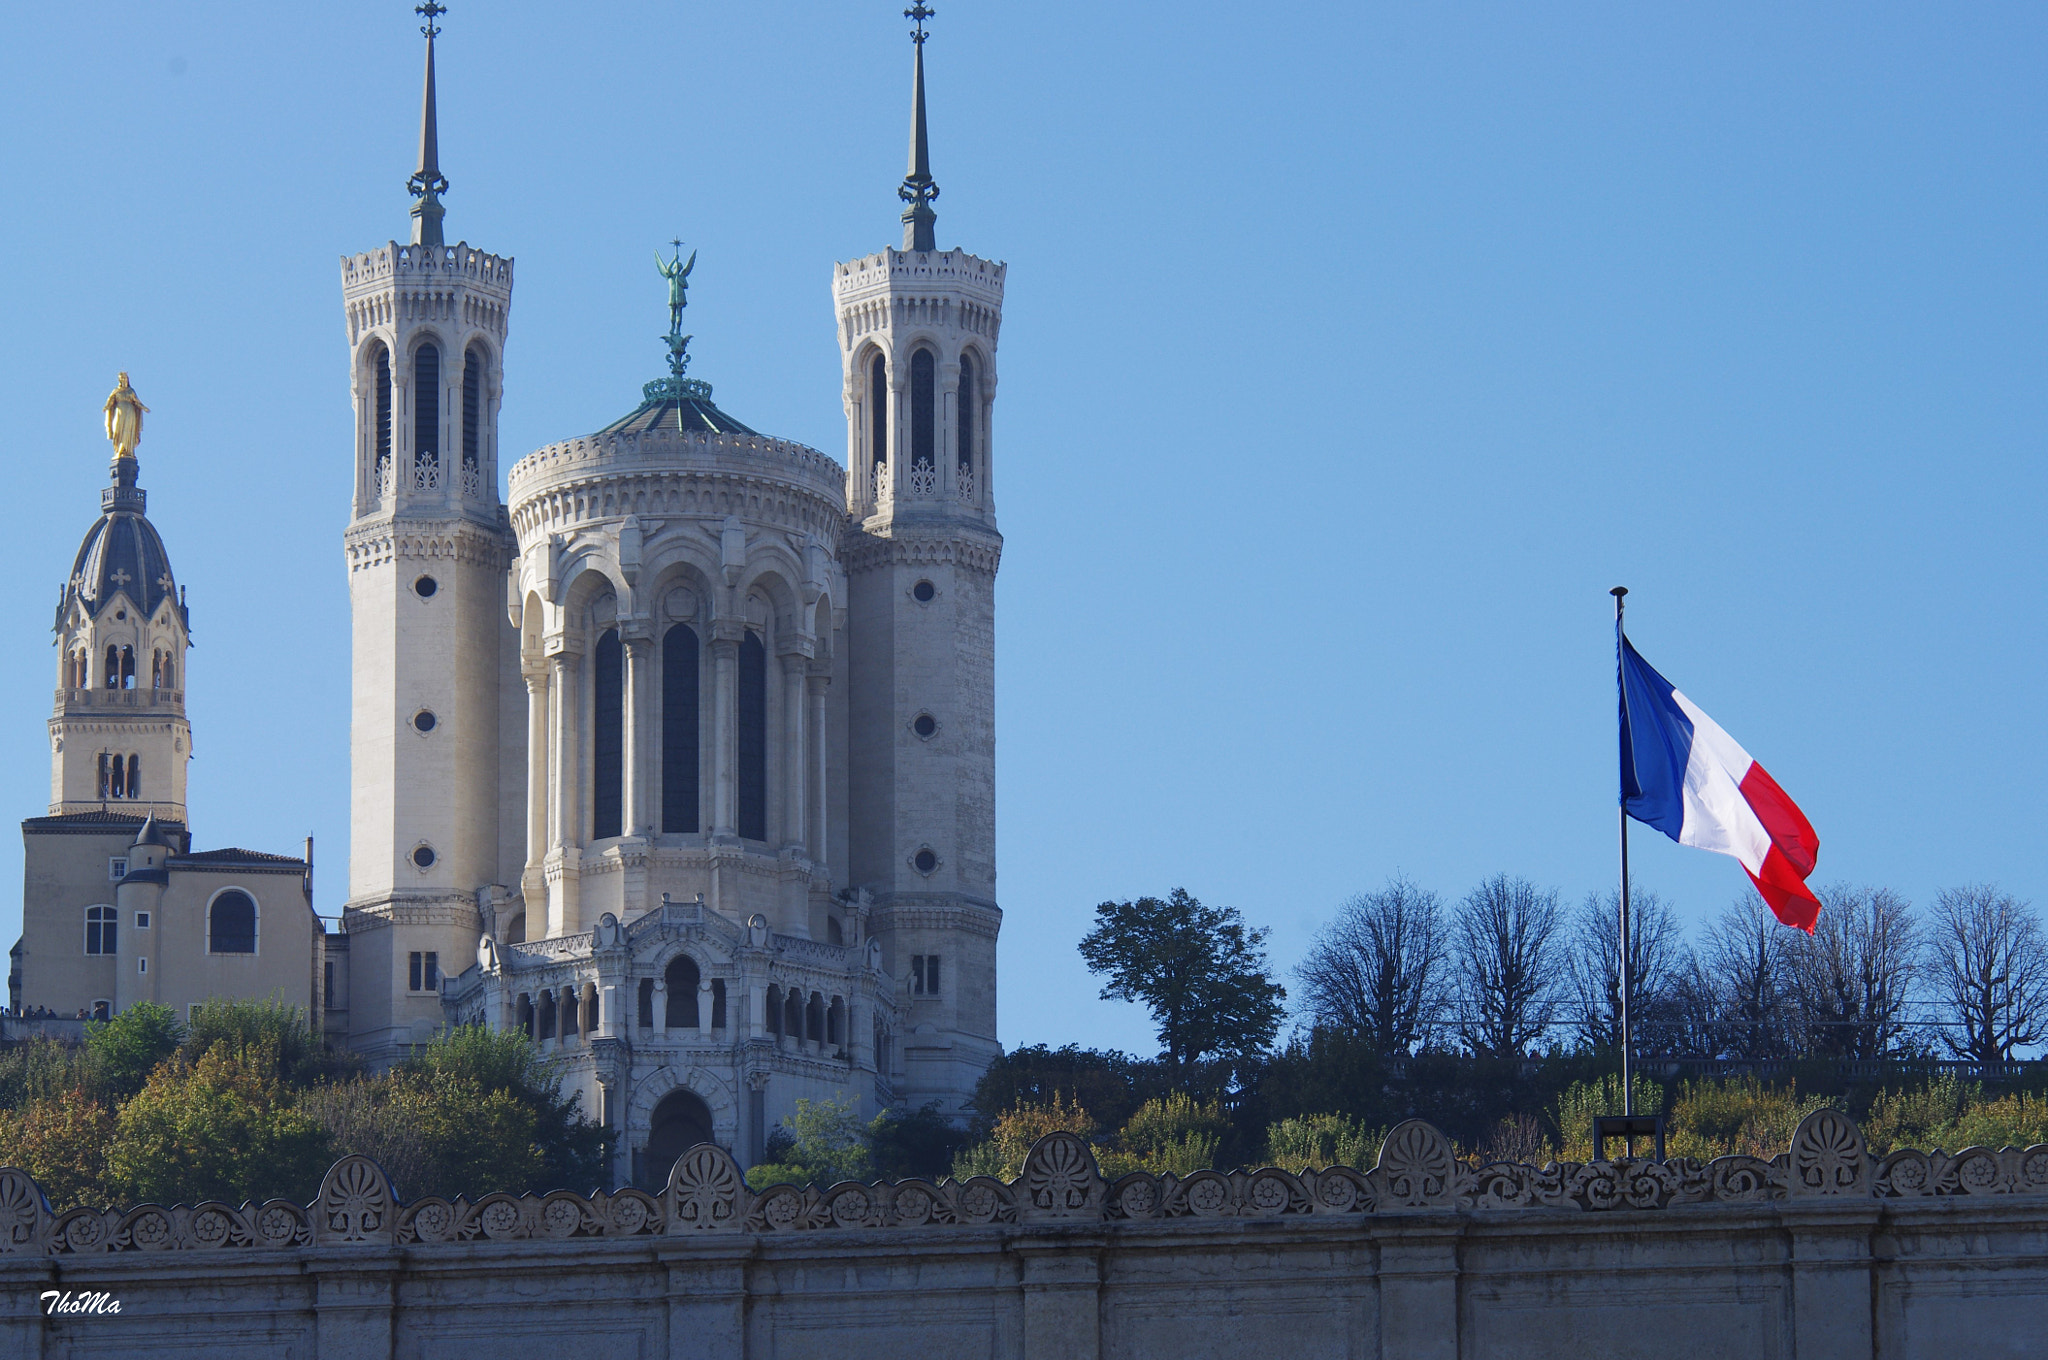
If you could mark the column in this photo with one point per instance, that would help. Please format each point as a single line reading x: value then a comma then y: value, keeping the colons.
x: 817, y: 840
x: 639, y: 819
x: 565, y: 804
x: 796, y: 753
x: 725, y: 733
x: 536, y: 787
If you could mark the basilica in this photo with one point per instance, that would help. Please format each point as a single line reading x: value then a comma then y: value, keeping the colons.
x: 671, y: 744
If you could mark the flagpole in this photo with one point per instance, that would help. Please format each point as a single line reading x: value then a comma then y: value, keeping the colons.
x: 1628, y: 1092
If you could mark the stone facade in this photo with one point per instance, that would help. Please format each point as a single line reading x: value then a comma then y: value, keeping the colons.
x: 1823, y: 1251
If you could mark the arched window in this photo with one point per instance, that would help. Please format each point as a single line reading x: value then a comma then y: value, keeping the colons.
x: 924, y: 409
x: 718, y: 1003
x: 117, y: 785
x: 426, y: 406
x: 681, y: 980
x: 382, y: 381
x: 608, y: 739
x: 547, y: 1016
x: 773, y: 1007
x: 793, y: 1013
x: 814, y: 1019
x: 127, y: 668
x: 568, y: 1012
x: 681, y: 1121
x: 105, y: 786
x: 878, y: 407
x: 134, y: 776
x: 647, y: 1003
x: 525, y: 1014
x: 472, y: 406
x: 156, y: 669
x: 753, y: 739
x: 170, y: 672
x: 113, y: 667
x: 679, y: 767
x: 100, y: 925
x: 231, y: 924
x: 970, y: 412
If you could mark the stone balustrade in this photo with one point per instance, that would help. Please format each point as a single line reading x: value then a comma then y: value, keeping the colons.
x: 1822, y: 1250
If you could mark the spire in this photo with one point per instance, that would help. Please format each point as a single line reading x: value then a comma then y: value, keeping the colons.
x: 917, y: 189
x: 428, y: 183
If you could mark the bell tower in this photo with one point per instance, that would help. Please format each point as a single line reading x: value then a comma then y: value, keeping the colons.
x: 119, y: 740
x: 917, y: 338
x: 428, y: 547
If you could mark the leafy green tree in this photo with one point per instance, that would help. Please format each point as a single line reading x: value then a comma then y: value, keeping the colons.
x: 283, y: 1031
x: 62, y: 1142
x: 1200, y: 971
x: 123, y: 1051
x: 219, y: 1128
x: 572, y: 1149
x: 823, y: 1142
x: 41, y: 1069
x: 1174, y: 1133
x: 920, y: 1143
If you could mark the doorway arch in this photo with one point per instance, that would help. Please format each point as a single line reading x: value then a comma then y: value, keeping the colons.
x: 681, y: 1121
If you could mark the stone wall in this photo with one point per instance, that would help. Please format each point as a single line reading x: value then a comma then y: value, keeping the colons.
x: 1821, y: 1252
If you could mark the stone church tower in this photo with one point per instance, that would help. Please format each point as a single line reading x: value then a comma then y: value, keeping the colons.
x: 917, y: 338
x: 119, y: 739
x: 428, y: 546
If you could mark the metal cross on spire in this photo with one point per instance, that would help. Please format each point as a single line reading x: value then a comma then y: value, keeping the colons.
x: 427, y: 183
x: 918, y: 189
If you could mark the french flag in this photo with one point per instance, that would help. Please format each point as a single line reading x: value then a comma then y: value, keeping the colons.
x: 1683, y: 775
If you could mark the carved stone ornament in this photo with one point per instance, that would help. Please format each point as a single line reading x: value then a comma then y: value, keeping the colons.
x: 1417, y: 1168
x: 355, y: 1204
x: 1061, y: 1180
x: 24, y: 1213
x: 1828, y: 1157
x: 704, y: 1191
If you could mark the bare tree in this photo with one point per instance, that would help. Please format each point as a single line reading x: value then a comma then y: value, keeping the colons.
x: 1989, y: 963
x: 1376, y: 970
x: 1850, y: 978
x: 1747, y: 962
x: 1509, y: 973
x: 1656, y: 955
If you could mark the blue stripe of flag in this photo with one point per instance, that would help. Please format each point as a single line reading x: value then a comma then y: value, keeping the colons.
x: 1656, y: 743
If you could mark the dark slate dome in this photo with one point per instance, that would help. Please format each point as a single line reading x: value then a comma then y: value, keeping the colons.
x: 679, y: 404
x: 122, y: 553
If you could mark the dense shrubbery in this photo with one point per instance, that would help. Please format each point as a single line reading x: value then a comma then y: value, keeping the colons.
x: 246, y: 1103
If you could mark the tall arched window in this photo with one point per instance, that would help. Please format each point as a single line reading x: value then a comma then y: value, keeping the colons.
x: 679, y: 767
x: 104, y: 786
x: 382, y: 398
x: 231, y: 924
x: 924, y: 409
x: 134, y: 776
x: 681, y: 979
x: 646, y: 1016
x: 608, y: 739
x: 117, y: 786
x: 878, y: 408
x: 970, y: 413
x: 127, y: 668
x: 170, y: 671
x: 753, y: 739
x: 113, y: 667
x: 99, y: 930
x: 156, y: 669
x: 426, y: 406
x: 472, y: 406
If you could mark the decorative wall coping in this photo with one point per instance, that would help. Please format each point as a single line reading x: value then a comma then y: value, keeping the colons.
x: 1417, y: 1171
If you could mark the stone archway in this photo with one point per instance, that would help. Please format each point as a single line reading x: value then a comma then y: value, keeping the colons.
x: 681, y: 1121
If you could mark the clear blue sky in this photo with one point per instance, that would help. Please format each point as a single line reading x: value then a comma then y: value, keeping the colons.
x: 1351, y: 353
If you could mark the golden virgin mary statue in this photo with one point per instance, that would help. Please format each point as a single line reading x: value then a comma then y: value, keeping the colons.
x: 124, y: 419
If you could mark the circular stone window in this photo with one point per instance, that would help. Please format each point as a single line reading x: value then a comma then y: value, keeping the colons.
x: 926, y: 861
x: 923, y: 591
x: 424, y: 857
x: 424, y: 720
x: 425, y: 587
x: 925, y: 725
